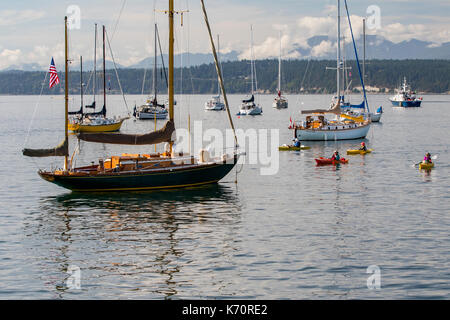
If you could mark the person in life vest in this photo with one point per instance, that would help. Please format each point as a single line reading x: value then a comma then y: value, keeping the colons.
x: 297, y: 143
x: 427, y: 158
x: 336, y: 156
x: 363, y: 147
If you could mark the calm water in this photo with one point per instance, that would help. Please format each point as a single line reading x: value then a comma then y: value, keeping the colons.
x: 305, y: 233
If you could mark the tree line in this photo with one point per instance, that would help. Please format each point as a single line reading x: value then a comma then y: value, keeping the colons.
x: 298, y: 76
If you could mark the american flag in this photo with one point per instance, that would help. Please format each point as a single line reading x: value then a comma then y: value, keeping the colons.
x: 54, y: 80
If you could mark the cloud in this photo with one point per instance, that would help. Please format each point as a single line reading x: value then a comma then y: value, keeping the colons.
x: 15, y: 17
x: 322, y: 49
x: 8, y: 57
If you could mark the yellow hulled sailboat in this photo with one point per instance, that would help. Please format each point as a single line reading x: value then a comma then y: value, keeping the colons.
x: 95, y: 121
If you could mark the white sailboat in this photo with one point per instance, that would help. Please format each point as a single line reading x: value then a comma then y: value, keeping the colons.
x: 248, y: 106
x: 152, y: 110
x: 342, y: 127
x: 280, y: 102
x: 215, y: 103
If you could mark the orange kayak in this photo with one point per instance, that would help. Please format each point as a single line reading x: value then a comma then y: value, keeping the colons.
x: 323, y: 161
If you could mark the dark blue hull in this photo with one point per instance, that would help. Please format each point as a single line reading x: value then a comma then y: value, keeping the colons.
x: 407, y: 104
x: 164, y: 179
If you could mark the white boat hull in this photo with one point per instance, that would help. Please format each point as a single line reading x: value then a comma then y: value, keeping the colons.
x: 250, y: 112
x: 359, y: 132
x: 280, y: 104
x: 151, y: 116
x: 375, y: 117
x: 214, y: 107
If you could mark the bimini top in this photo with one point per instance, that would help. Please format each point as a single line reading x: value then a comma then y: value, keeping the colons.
x: 335, y: 110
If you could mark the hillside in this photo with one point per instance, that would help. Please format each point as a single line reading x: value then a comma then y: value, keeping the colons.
x: 299, y: 76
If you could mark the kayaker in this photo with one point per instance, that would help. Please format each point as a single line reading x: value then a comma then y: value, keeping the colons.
x: 336, y: 156
x: 297, y: 143
x: 363, y: 147
x: 427, y: 158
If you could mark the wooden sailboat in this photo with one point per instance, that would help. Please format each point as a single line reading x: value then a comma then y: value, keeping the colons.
x: 139, y: 171
x: 95, y: 121
x: 280, y: 102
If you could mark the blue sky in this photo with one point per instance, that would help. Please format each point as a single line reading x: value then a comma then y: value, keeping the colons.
x: 32, y: 31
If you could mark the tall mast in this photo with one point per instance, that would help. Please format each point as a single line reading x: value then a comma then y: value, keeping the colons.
x: 104, y: 69
x: 364, y: 50
x: 171, y: 61
x: 81, y: 82
x: 279, y: 69
x: 154, y: 68
x: 251, y: 61
x: 66, y: 94
x: 338, y: 50
x: 95, y: 64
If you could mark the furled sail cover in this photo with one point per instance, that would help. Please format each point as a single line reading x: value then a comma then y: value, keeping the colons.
x: 100, y: 113
x: 159, y: 136
x: 252, y: 99
x: 335, y: 110
x: 61, y: 150
x: 90, y: 106
x: 72, y: 113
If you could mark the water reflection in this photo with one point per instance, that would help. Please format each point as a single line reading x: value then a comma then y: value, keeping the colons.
x: 137, y: 244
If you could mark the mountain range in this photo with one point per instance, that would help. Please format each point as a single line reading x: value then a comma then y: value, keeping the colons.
x: 376, y: 48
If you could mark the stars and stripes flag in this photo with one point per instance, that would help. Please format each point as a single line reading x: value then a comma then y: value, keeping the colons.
x: 54, y: 80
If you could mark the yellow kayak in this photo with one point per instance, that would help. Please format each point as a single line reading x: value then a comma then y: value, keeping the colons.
x: 292, y: 148
x: 426, y: 166
x: 353, y: 152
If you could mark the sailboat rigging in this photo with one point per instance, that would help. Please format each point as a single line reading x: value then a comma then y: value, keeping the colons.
x: 95, y: 121
x: 215, y: 104
x: 152, y: 109
x: 342, y: 127
x: 280, y: 102
x: 139, y: 171
x: 248, y: 106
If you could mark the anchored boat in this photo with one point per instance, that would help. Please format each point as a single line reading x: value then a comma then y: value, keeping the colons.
x: 405, y: 97
x: 215, y: 103
x: 81, y: 121
x: 280, y: 102
x: 341, y: 127
x: 139, y: 171
x: 248, y: 106
x: 152, y: 110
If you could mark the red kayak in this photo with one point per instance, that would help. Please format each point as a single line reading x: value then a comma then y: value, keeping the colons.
x: 323, y: 161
